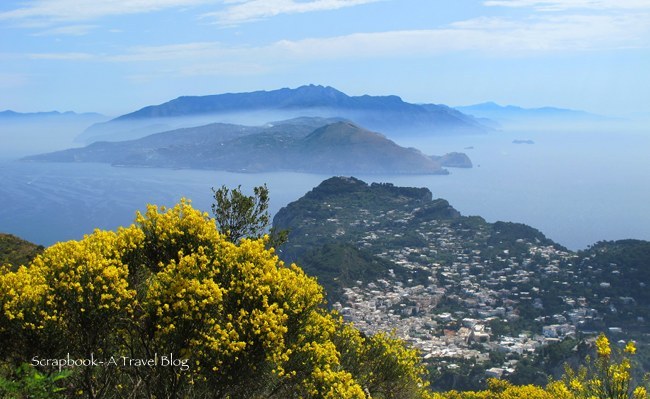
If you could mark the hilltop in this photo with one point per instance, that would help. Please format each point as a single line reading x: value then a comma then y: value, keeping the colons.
x: 368, y: 220
x: 312, y: 145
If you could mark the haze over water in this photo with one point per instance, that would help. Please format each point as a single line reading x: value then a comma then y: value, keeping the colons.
x: 577, y: 187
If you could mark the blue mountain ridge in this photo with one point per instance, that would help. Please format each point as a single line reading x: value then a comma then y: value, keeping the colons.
x: 382, y: 113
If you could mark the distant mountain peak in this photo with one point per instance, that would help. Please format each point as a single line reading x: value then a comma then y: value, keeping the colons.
x: 319, y: 89
x: 344, y: 132
x: 385, y: 113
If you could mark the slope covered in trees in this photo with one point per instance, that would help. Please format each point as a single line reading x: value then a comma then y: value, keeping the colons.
x: 16, y: 251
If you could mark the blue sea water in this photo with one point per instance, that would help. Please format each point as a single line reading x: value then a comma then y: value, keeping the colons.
x: 577, y: 187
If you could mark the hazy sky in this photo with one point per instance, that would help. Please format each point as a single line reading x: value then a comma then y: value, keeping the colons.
x: 115, y: 56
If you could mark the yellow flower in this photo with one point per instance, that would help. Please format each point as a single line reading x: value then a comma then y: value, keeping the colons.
x: 576, y: 385
x: 602, y: 346
x: 640, y: 393
x: 630, y: 348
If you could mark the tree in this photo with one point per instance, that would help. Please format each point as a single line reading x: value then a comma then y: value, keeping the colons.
x: 240, y: 216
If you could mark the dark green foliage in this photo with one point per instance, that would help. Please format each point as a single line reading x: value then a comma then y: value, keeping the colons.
x: 631, y: 256
x: 437, y: 209
x: 238, y: 215
x: 549, y: 362
x: 26, y: 382
x: 625, y: 266
x: 508, y: 232
x: 16, y: 252
x: 341, y: 265
x: 465, y: 375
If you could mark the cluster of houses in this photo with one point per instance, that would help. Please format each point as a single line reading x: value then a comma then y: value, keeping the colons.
x: 470, y: 286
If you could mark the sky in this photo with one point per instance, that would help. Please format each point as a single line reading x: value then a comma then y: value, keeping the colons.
x: 116, y: 56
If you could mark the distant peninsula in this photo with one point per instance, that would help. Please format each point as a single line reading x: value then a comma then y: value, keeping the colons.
x: 307, y: 144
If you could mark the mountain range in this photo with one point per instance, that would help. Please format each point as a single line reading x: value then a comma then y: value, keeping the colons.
x: 312, y: 145
x: 13, y: 115
x: 507, y: 114
x: 384, y: 113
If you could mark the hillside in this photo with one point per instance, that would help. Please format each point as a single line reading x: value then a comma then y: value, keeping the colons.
x: 312, y: 145
x: 458, y: 287
x: 16, y: 252
x: 376, y: 218
x: 388, y: 113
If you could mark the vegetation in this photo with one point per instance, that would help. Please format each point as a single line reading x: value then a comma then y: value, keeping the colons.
x: 218, y: 319
x: 240, y: 216
x: 17, y: 252
x: 26, y: 382
x: 357, y: 238
x: 608, y: 376
x: 172, y: 307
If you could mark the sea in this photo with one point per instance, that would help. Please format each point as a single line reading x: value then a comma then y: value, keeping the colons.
x: 577, y: 187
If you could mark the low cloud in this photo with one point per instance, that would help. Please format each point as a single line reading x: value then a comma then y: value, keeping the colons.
x: 44, y: 12
x: 252, y: 10
x: 71, y: 30
x: 492, y: 36
x: 563, y: 5
x: 539, y: 33
x: 62, y: 56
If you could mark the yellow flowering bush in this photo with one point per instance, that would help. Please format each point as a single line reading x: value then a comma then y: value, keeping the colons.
x: 239, y: 321
x: 499, y: 389
x: 607, y: 376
